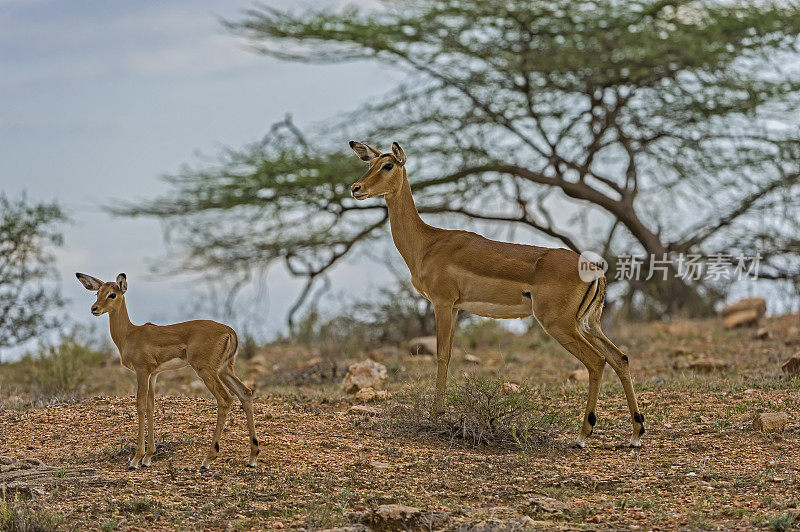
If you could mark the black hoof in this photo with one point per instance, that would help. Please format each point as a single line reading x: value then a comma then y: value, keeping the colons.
x: 252, y: 466
x: 203, y: 469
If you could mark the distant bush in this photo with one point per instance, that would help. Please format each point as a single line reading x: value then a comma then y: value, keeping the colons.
x: 55, y: 369
x: 23, y: 516
x: 481, y: 332
x: 65, y: 367
x: 390, y: 316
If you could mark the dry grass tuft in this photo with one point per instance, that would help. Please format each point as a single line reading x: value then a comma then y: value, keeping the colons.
x: 24, y: 516
x: 478, y: 412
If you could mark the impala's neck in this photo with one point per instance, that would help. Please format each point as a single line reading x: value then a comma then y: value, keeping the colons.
x: 120, y: 324
x: 409, y: 232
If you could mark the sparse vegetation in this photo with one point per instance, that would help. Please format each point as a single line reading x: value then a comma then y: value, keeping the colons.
x: 503, y: 442
x: 60, y: 370
x: 17, y: 515
x: 479, y: 411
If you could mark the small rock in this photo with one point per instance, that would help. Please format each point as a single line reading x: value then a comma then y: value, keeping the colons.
x: 6, y: 460
x: 386, y: 351
x: 547, y: 504
x: 371, y: 394
x: 363, y: 410
x: 380, y: 465
x: 774, y: 422
x: 472, y: 359
x: 494, y: 524
x: 422, y: 345
x: 792, y: 366
x: 682, y: 362
x: 681, y: 350
x: 708, y: 364
x: 510, y: 387
x: 364, y: 374
x: 762, y: 333
x: 15, y: 488
x: 745, y: 312
x: 401, y: 517
x: 742, y: 318
x: 579, y: 375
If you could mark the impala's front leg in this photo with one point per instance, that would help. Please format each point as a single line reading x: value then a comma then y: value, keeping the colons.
x: 446, y: 320
x: 142, y: 380
x: 151, y: 438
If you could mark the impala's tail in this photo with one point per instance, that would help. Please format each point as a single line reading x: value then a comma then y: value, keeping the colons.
x: 232, y: 349
x: 593, y: 300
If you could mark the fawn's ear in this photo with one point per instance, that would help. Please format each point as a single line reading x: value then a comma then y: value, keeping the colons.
x: 366, y: 153
x: 398, y: 153
x: 89, y: 282
x: 122, y: 281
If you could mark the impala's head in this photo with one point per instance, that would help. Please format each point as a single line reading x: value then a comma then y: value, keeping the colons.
x: 385, y: 174
x: 109, y: 295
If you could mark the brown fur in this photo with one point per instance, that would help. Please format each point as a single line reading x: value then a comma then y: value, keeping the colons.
x: 208, y: 347
x: 462, y: 270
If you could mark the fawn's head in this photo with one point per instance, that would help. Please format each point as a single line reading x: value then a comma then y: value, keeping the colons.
x: 109, y: 295
x: 385, y: 174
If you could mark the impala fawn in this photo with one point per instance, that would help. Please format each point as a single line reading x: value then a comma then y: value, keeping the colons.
x: 147, y: 350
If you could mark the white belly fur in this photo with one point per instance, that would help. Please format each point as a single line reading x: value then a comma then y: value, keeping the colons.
x: 494, y: 310
x: 174, y: 363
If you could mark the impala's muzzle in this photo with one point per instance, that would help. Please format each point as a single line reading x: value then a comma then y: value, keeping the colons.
x: 357, y: 192
x: 96, y: 310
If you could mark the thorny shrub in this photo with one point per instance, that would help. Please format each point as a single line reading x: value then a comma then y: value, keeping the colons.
x: 479, y: 412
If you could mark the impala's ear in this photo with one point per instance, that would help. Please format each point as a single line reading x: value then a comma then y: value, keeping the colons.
x: 366, y: 153
x: 122, y: 281
x: 89, y: 282
x: 398, y: 153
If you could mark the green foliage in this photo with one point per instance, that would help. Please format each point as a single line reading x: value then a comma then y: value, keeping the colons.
x: 391, y: 316
x: 481, y: 333
x: 28, y: 298
x: 783, y: 522
x: 666, y: 125
x: 23, y: 516
x: 58, y: 369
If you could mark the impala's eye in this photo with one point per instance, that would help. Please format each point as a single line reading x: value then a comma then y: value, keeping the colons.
x: 388, y: 167
x: 112, y: 295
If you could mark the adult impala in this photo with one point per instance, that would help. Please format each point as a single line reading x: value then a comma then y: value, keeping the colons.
x: 147, y: 350
x: 462, y: 270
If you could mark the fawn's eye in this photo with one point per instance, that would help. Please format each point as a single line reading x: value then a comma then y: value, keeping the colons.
x: 112, y: 295
x: 388, y: 167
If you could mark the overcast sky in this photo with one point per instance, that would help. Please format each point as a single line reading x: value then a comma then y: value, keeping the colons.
x: 97, y: 99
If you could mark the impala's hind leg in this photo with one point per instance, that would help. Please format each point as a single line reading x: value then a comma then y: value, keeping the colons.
x: 619, y: 362
x: 223, y: 397
x: 245, y: 395
x: 572, y: 340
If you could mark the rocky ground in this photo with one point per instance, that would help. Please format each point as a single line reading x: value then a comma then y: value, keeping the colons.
x: 702, y: 465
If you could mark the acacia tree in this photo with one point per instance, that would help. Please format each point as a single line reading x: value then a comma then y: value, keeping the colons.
x: 27, y: 300
x: 622, y: 126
